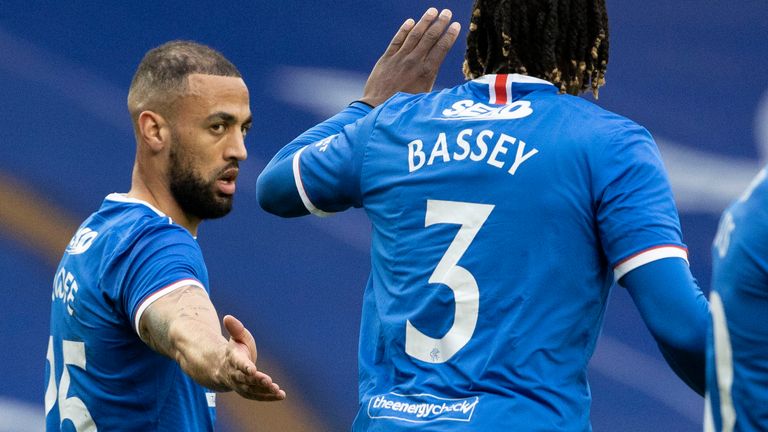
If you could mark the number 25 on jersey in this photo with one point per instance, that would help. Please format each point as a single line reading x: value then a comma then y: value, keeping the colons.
x: 70, y: 408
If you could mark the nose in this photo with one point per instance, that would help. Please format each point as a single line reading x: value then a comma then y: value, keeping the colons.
x: 236, y: 148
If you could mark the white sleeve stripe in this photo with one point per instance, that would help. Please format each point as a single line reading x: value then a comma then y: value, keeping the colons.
x: 300, y: 187
x: 648, y: 256
x: 160, y: 293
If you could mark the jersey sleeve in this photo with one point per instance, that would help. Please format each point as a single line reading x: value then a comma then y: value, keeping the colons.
x: 636, y: 213
x: 327, y: 173
x: 161, y: 259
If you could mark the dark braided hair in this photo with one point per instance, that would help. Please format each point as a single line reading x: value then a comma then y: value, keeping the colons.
x: 562, y: 41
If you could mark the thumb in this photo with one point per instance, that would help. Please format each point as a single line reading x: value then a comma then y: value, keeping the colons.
x: 234, y: 327
x: 238, y: 333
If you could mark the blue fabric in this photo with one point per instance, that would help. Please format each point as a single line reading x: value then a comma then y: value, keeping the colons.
x: 275, y: 187
x: 496, y: 229
x: 120, y: 256
x: 739, y: 301
x: 676, y: 312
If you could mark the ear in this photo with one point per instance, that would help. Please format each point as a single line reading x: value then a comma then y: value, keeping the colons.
x: 153, y: 130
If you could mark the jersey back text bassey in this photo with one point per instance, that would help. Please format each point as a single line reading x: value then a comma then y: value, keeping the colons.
x: 502, y: 213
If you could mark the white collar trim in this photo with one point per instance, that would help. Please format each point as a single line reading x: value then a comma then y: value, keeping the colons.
x: 515, y: 78
x: 124, y: 198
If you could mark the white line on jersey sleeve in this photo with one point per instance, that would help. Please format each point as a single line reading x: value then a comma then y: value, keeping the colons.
x: 647, y: 256
x: 300, y: 187
x: 160, y: 293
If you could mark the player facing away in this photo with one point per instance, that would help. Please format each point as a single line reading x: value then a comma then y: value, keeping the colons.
x: 503, y: 211
x: 135, y: 342
x: 737, y: 348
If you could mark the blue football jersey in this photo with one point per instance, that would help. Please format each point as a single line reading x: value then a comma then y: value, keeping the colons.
x: 737, y: 349
x: 502, y: 213
x: 99, y: 374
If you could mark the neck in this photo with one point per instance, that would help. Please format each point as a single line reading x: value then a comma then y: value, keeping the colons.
x: 158, y: 194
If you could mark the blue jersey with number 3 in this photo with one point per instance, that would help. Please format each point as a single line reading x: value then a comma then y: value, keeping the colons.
x: 737, y: 349
x: 99, y: 374
x: 502, y: 213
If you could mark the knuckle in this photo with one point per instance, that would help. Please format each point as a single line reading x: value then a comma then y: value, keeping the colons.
x: 416, y: 34
x: 432, y: 35
x: 444, y: 44
x: 409, y: 62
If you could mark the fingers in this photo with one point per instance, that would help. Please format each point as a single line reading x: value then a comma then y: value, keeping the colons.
x: 255, y: 385
x: 434, y: 33
x: 416, y: 33
x: 246, y: 379
x: 421, y: 42
x: 258, y: 386
x: 264, y: 397
x: 400, y: 36
x: 441, y: 48
x: 240, y: 366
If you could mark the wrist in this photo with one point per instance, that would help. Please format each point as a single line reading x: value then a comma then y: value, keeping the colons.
x: 220, y: 378
x: 364, y: 102
x: 372, y: 102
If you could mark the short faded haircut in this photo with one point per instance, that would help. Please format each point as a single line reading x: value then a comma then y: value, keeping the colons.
x: 162, y: 75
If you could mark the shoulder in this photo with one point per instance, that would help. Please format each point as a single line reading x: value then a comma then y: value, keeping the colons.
x: 144, y: 247
x: 413, y: 108
x: 401, y: 100
x: 137, y: 229
x: 750, y: 210
x: 600, y: 131
x: 155, y: 234
x: 407, y: 101
x: 594, y: 117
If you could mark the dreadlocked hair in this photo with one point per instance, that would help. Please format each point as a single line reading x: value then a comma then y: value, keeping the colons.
x: 562, y: 41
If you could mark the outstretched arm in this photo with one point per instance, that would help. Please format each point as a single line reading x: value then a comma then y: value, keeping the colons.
x: 677, y: 314
x: 184, y: 326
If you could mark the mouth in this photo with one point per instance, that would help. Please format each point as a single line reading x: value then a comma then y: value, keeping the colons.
x: 226, y: 181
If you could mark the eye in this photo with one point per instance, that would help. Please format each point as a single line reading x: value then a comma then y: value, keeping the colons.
x: 218, y: 128
x: 246, y: 128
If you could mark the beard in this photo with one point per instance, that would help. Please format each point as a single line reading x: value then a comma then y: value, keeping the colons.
x: 195, y: 195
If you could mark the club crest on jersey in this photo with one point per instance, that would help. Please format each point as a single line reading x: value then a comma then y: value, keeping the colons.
x: 322, y: 145
x: 82, y: 240
x: 470, y: 110
x: 421, y: 408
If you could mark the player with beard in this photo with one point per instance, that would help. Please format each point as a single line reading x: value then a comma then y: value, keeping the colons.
x: 135, y: 341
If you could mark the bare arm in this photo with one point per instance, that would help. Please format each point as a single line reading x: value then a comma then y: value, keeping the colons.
x: 184, y: 326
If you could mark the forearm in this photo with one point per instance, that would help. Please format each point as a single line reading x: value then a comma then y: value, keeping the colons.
x: 199, y: 349
x: 676, y: 313
x: 185, y: 327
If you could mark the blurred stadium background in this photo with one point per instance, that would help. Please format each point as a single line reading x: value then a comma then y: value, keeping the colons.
x: 693, y: 72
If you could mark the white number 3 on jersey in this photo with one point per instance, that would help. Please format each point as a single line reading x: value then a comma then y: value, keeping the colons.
x: 471, y: 217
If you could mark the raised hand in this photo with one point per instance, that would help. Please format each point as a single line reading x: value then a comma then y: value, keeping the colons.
x: 413, y: 58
